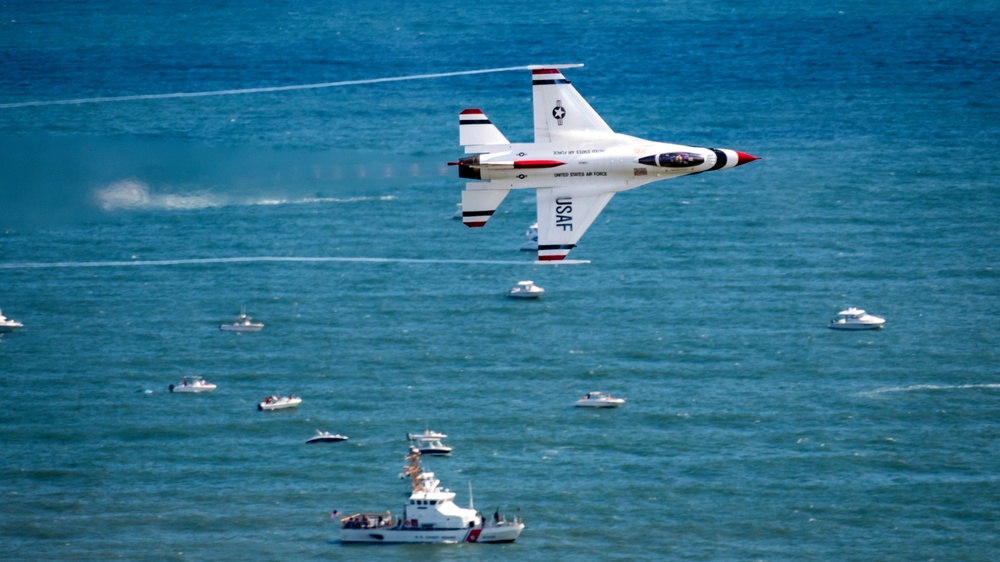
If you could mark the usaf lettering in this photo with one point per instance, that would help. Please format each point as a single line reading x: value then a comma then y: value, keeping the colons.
x: 564, y: 213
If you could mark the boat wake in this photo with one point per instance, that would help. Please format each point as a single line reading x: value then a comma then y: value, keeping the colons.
x: 928, y: 387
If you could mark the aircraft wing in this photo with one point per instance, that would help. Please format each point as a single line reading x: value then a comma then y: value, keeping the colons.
x: 560, y: 111
x: 563, y: 217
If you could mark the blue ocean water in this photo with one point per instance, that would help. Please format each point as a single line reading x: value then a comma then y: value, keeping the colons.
x: 131, y: 230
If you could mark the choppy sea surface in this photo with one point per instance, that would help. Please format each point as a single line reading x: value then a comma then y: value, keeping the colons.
x: 129, y: 230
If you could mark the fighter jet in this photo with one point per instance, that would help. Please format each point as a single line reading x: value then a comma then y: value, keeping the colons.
x: 576, y: 164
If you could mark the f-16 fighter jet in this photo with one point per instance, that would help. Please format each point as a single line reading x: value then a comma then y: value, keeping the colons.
x: 576, y: 164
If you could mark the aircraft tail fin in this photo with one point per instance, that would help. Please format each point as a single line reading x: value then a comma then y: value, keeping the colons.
x: 475, y: 128
x: 479, y: 204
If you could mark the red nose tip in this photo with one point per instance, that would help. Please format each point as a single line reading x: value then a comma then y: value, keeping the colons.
x: 744, y: 158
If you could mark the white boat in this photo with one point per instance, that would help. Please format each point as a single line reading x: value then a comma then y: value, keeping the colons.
x: 193, y: 384
x: 279, y: 402
x: 526, y: 290
x: 430, y: 516
x: 8, y: 325
x: 429, y: 443
x: 531, y: 244
x: 242, y: 323
x: 598, y: 399
x: 856, y: 319
x: 326, y: 437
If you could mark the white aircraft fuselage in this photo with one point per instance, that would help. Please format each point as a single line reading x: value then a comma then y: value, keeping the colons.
x: 576, y: 164
x: 610, y: 163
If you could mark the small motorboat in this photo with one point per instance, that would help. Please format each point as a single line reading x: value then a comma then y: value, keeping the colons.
x: 856, y: 319
x: 192, y: 384
x: 429, y: 443
x: 598, y: 399
x: 242, y: 323
x: 531, y: 242
x: 8, y: 325
x: 526, y: 290
x: 279, y: 402
x: 326, y: 437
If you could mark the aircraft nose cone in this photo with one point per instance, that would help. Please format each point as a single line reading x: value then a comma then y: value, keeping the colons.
x: 743, y: 158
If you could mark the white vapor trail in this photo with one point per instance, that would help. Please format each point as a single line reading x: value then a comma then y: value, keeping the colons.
x: 245, y: 259
x: 258, y: 90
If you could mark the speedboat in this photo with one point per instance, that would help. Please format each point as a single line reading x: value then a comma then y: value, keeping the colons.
x: 193, y: 384
x: 326, y: 437
x: 430, y: 516
x: 526, y: 290
x: 598, y: 399
x: 531, y: 244
x: 429, y: 443
x: 8, y: 325
x: 279, y: 402
x: 242, y: 323
x: 856, y: 319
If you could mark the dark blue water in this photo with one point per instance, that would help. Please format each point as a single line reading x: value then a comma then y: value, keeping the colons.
x: 132, y: 229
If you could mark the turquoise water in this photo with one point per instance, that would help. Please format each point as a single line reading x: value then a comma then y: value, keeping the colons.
x: 131, y: 230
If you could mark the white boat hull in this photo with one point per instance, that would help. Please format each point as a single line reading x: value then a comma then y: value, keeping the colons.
x: 855, y: 326
x: 525, y: 294
x: 232, y: 328
x: 498, y: 534
x: 614, y: 403
x: 280, y: 405
x: 180, y: 389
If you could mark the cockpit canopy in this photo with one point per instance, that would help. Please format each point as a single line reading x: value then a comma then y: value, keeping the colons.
x: 673, y: 160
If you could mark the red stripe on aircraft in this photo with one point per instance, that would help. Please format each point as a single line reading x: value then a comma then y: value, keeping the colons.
x: 545, y: 71
x: 550, y: 258
x: 471, y: 111
x: 537, y: 163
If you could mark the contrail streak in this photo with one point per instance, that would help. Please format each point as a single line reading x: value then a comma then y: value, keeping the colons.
x: 257, y: 90
x: 246, y: 259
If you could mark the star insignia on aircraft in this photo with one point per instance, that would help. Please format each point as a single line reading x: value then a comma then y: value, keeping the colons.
x: 559, y: 113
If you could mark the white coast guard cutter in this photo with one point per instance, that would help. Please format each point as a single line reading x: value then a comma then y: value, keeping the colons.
x: 576, y: 164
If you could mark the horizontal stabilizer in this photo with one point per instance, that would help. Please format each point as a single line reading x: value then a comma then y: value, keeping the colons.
x: 478, y: 205
x: 474, y: 128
